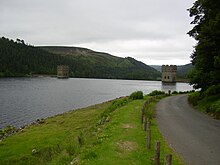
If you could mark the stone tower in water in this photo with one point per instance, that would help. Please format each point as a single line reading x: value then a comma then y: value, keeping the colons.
x: 169, y: 73
x: 62, y: 71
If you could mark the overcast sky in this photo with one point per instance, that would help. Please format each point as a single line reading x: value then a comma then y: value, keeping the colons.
x: 151, y: 31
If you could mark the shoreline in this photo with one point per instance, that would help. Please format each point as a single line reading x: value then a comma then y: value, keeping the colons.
x: 89, y: 135
x: 12, y: 130
x: 55, y: 76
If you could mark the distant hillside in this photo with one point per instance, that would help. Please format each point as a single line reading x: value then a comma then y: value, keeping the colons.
x: 182, y: 70
x: 157, y: 67
x: 104, y: 65
x: 19, y: 59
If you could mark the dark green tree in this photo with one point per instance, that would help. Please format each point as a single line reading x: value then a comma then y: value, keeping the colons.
x: 206, y: 55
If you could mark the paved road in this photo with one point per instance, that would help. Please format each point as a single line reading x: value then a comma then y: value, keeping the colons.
x: 195, y: 136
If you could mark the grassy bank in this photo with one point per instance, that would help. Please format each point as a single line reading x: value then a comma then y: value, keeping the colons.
x: 207, y: 101
x: 108, y: 133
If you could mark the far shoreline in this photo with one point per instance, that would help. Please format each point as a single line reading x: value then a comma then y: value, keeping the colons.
x: 55, y: 76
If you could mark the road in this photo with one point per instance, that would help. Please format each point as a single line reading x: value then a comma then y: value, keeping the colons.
x: 192, y: 134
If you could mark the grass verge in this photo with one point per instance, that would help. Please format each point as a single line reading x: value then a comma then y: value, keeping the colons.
x: 208, y: 104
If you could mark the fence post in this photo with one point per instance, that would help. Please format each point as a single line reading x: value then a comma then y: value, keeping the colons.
x: 145, y: 103
x: 145, y: 125
x: 168, y: 160
x: 142, y: 115
x: 157, y: 153
x: 148, y: 133
x: 169, y: 92
x: 148, y: 125
x: 144, y: 122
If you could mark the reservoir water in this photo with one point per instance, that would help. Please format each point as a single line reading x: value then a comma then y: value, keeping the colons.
x: 23, y: 100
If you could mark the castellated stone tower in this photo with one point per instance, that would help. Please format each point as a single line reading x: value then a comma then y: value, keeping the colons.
x: 62, y: 71
x: 169, y: 73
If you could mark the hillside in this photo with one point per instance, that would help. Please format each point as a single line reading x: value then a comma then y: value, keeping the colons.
x: 104, y: 65
x: 183, y: 70
x: 19, y: 59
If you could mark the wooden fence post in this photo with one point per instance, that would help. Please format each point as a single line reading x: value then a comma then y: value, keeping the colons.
x: 144, y: 122
x: 142, y: 115
x: 145, y: 104
x: 169, y: 92
x: 168, y: 160
x: 148, y: 133
x: 157, y: 153
x: 148, y: 125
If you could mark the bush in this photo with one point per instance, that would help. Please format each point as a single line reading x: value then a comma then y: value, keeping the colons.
x: 174, y: 92
x: 194, y: 98
x: 115, y: 104
x: 136, y: 95
x: 213, y: 90
x: 156, y: 92
x: 215, y: 109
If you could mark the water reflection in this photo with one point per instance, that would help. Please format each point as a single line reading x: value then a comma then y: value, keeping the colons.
x: 168, y: 86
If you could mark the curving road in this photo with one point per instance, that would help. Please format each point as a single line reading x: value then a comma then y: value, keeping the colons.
x: 193, y: 135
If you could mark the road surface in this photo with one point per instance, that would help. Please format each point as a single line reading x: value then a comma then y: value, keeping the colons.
x: 192, y: 134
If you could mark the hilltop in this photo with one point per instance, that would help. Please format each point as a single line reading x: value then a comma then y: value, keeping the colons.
x: 19, y: 59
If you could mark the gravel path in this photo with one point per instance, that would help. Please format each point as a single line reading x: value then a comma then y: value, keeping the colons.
x: 193, y: 135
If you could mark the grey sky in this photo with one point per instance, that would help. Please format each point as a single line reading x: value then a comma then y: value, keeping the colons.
x: 153, y: 32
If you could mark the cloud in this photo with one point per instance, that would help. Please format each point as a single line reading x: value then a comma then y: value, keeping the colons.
x: 142, y: 29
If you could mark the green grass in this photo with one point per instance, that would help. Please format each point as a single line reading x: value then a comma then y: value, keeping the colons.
x: 123, y: 141
x: 108, y: 133
x: 52, y: 140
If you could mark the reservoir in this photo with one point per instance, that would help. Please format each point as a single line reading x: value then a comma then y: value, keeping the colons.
x: 24, y: 100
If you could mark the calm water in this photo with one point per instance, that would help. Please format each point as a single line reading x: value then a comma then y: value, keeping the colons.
x: 23, y: 100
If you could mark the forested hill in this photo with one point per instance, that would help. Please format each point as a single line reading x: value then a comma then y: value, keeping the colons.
x: 19, y: 59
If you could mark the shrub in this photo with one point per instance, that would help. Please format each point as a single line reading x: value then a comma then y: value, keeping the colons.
x: 136, y: 95
x: 215, y: 109
x: 174, y: 92
x: 194, y: 98
x: 115, y: 104
x: 213, y: 90
x: 156, y: 92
